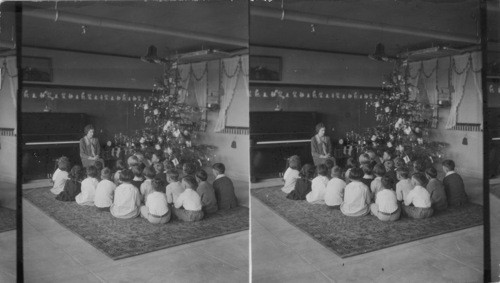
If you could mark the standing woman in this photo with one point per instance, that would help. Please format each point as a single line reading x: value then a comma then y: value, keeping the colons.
x: 321, y: 146
x: 89, y: 147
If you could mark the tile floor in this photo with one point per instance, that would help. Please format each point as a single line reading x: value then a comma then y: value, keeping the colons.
x: 54, y: 254
x: 283, y: 253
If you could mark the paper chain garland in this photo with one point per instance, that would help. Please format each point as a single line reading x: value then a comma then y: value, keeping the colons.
x: 314, y: 94
x: 82, y: 95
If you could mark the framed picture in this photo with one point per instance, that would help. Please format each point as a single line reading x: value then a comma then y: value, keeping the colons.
x: 36, y: 69
x: 265, y: 68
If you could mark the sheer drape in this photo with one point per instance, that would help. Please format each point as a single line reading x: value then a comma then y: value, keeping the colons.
x: 423, y: 78
x: 464, y: 65
x: 233, y: 70
x: 185, y: 76
x: 199, y: 79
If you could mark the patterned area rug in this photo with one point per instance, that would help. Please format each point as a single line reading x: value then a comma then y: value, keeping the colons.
x: 118, y: 238
x: 349, y: 236
x: 7, y: 219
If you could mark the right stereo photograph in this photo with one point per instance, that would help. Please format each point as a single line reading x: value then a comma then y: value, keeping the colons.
x: 366, y: 141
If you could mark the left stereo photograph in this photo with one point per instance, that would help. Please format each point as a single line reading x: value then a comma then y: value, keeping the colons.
x: 135, y: 137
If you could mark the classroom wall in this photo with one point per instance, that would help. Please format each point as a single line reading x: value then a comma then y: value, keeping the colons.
x: 316, y: 68
x: 8, y: 144
x: 78, y: 69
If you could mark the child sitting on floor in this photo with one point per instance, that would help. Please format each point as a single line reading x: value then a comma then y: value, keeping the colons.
x: 156, y: 208
x: 291, y: 174
x: 188, y: 169
x: 174, y: 187
x: 223, y: 187
x: 60, y: 175
x: 105, y: 190
x: 419, y: 166
x: 146, y: 186
x: 357, y: 196
x: 188, y: 205
x: 363, y: 159
x: 131, y: 161
x: 72, y: 187
x: 318, y: 186
x: 368, y: 173
x: 119, y: 166
x: 303, y: 184
x: 329, y: 163
x: 334, y: 194
x: 390, y: 170
x: 89, y: 185
x: 127, y: 198
x: 386, y: 206
x: 404, y: 186
x: 453, y: 185
x: 160, y: 173
x: 376, y: 184
x: 436, y: 190
x: 206, y: 192
x: 98, y: 166
x: 399, y: 163
x: 418, y: 201
x: 350, y: 163
x: 138, y: 178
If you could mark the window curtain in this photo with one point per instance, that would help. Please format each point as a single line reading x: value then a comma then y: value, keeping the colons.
x: 423, y: 78
x: 9, y: 75
x: 185, y: 76
x: 462, y: 66
x: 232, y: 71
x: 199, y: 78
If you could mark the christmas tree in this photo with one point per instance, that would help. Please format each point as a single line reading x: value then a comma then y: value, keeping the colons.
x: 171, y: 126
x: 404, y: 122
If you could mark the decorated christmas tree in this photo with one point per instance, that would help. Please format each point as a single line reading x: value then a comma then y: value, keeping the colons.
x: 403, y: 120
x: 171, y: 125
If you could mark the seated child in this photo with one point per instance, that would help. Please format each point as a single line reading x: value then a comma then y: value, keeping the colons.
x: 387, y: 155
x: 132, y: 160
x: 291, y: 174
x: 368, y: 173
x: 72, y: 187
x: 146, y: 187
x: 99, y: 166
x: 105, y: 191
x: 188, y: 205
x: 404, y: 186
x: 303, y: 184
x: 419, y: 166
x: 399, y: 163
x: 188, y: 169
x: 386, y: 206
x: 364, y: 158
x: 334, y: 195
x: 376, y: 184
x: 357, y: 196
x: 329, y: 165
x: 418, y: 201
x: 206, y: 192
x: 390, y: 170
x: 174, y: 187
x: 60, y: 175
x: 143, y: 161
x: 350, y: 163
x: 127, y: 198
x: 223, y: 187
x: 89, y: 185
x: 119, y: 166
x: 453, y: 185
x: 138, y: 178
x: 156, y: 157
x: 318, y: 186
x: 160, y: 173
x: 373, y: 157
x: 436, y: 190
x: 156, y: 208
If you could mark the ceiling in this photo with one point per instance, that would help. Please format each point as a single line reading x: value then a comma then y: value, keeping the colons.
x: 451, y: 17
x: 111, y: 27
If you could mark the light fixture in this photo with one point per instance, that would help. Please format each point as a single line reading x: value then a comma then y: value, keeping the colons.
x: 313, y: 28
x: 379, y: 54
x: 233, y: 143
x: 465, y: 141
